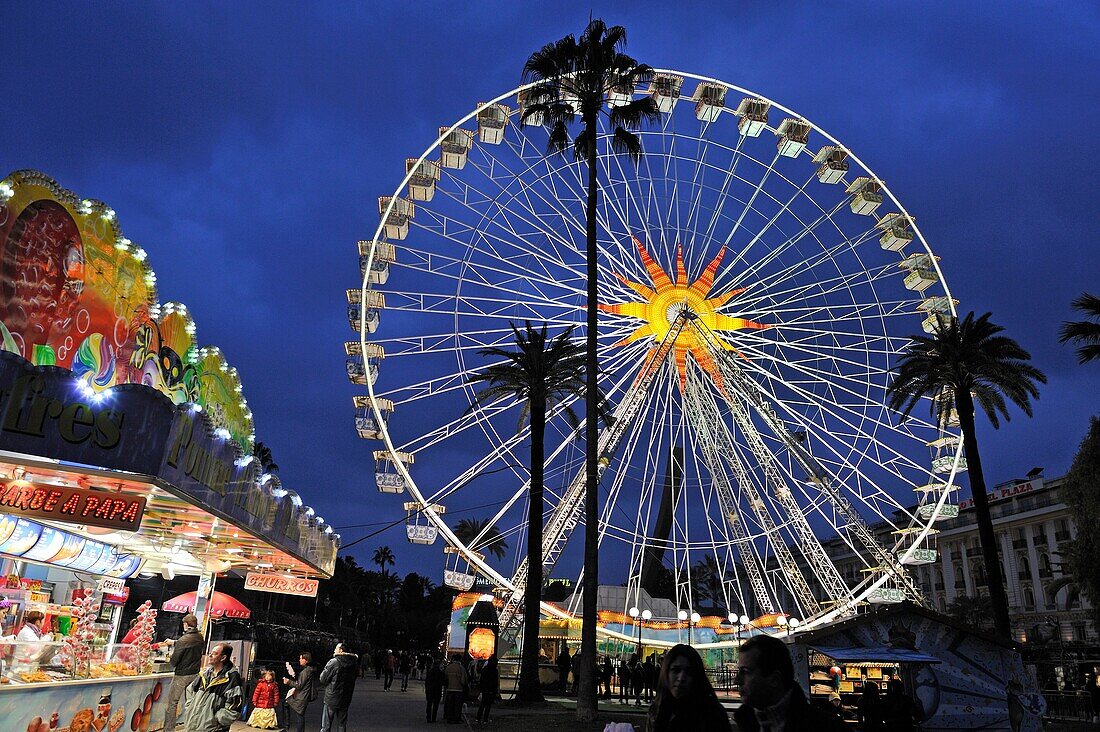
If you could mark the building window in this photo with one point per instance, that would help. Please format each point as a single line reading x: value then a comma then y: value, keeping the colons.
x: 1079, y: 631
x: 1024, y: 565
x: 1029, y: 599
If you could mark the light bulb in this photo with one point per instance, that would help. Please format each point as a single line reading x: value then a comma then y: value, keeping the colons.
x: 646, y: 615
x: 632, y: 612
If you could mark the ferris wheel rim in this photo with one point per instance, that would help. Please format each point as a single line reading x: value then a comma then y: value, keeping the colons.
x: 428, y: 511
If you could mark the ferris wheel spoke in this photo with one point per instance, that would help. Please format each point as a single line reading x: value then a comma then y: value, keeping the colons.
x: 458, y: 269
x: 468, y: 236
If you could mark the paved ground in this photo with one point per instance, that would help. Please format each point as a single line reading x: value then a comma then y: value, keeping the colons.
x: 396, y: 711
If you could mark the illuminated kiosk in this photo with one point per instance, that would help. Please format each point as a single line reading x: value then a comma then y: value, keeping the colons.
x: 125, y: 448
x: 482, y: 629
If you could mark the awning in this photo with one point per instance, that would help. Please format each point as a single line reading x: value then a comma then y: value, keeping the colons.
x: 221, y: 605
x: 875, y: 654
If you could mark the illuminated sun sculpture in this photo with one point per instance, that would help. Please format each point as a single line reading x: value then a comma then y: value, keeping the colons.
x: 663, y: 302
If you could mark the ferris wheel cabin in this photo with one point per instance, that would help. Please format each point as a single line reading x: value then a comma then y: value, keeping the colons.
x: 710, y: 100
x: 665, y: 90
x: 385, y: 254
x: 832, y: 164
x: 896, y: 232
x: 386, y: 475
x: 455, y: 148
x: 397, y: 221
x: 423, y: 180
x: 866, y: 195
x: 374, y: 302
x: 753, y: 115
x: 793, y: 135
x: 363, y: 370
x: 367, y: 423
x: 491, y: 122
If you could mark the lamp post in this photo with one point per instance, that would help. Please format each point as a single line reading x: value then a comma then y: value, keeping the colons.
x: 792, y: 624
x: 691, y: 628
x: 646, y: 615
x: 781, y: 621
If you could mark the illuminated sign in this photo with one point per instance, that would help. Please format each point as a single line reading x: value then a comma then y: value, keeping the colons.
x: 111, y: 585
x: 1004, y: 492
x: 72, y: 505
x: 281, y: 584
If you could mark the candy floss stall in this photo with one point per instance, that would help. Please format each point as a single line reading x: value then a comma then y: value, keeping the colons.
x: 125, y: 449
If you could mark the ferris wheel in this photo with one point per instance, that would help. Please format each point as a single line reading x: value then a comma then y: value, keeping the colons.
x: 757, y: 283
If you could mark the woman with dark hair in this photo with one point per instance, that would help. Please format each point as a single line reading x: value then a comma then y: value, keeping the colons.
x: 685, y: 701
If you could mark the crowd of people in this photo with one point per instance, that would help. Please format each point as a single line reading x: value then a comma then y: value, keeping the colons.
x: 675, y: 686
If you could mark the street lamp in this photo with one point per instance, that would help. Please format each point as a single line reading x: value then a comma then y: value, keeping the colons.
x: 781, y: 621
x: 691, y: 628
x: 646, y: 615
x: 792, y: 624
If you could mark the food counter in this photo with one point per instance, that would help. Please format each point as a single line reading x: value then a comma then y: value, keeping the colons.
x: 118, y: 704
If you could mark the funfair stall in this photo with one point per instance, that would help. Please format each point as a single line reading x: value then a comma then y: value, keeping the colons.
x: 125, y: 448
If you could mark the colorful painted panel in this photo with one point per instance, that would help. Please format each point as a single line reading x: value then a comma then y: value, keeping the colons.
x: 102, y: 704
x: 69, y: 282
x: 75, y: 293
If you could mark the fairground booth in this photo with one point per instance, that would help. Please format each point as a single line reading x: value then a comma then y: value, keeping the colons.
x: 125, y: 450
x: 959, y: 678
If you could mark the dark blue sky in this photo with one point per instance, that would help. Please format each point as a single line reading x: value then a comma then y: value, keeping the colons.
x: 243, y: 146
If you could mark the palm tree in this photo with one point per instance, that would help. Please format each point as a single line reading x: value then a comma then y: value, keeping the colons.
x: 467, y: 530
x: 706, y: 581
x: 544, y: 376
x: 383, y: 555
x: 1084, y: 333
x: 572, y: 78
x: 263, y: 453
x: 960, y: 363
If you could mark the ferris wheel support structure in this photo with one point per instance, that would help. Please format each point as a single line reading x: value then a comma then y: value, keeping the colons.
x: 566, y: 514
x: 817, y: 474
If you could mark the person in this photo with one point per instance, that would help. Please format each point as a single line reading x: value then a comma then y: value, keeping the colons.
x: 871, y: 712
x: 404, y: 666
x: 564, y: 665
x: 624, y: 681
x: 685, y: 700
x: 490, y: 686
x: 1094, y: 692
x: 575, y: 667
x: 606, y: 673
x: 389, y: 663
x: 338, y: 678
x: 901, y: 711
x: 186, y: 662
x: 265, y: 698
x: 303, y: 690
x: 770, y: 698
x: 650, y: 669
x: 31, y: 632
x: 455, y: 680
x: 379, y: 662
x: 433, y: 688
x: 215, y: 697
x: 637, y: 679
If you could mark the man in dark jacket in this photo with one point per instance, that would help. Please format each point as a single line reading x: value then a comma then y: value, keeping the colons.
x: 186, y: 661
x: 215, y: 697
x: 770, y: 698
x: 303, y: 691
x: 433, y: 688
x: 338, y: 678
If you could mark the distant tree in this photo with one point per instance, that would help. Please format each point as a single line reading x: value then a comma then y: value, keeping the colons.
x: 1081, y: 492
x: 960, y: 363
x: 263, y: 453
x: 467, y: 530
x: 1084, y: 333
x: 977, y: 612
x: 706, y: 582
x: 383, y: 555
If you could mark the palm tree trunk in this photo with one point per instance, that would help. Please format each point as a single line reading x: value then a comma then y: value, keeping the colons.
x: 964, y: 403
x: 529, y: 688
x: 586, y: 688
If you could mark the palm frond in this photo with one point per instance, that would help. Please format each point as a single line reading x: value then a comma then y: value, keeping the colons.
x: 968, y: 355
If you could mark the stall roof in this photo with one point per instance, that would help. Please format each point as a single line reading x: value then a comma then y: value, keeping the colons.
x: 875, y: 654
x: 174, y: 530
